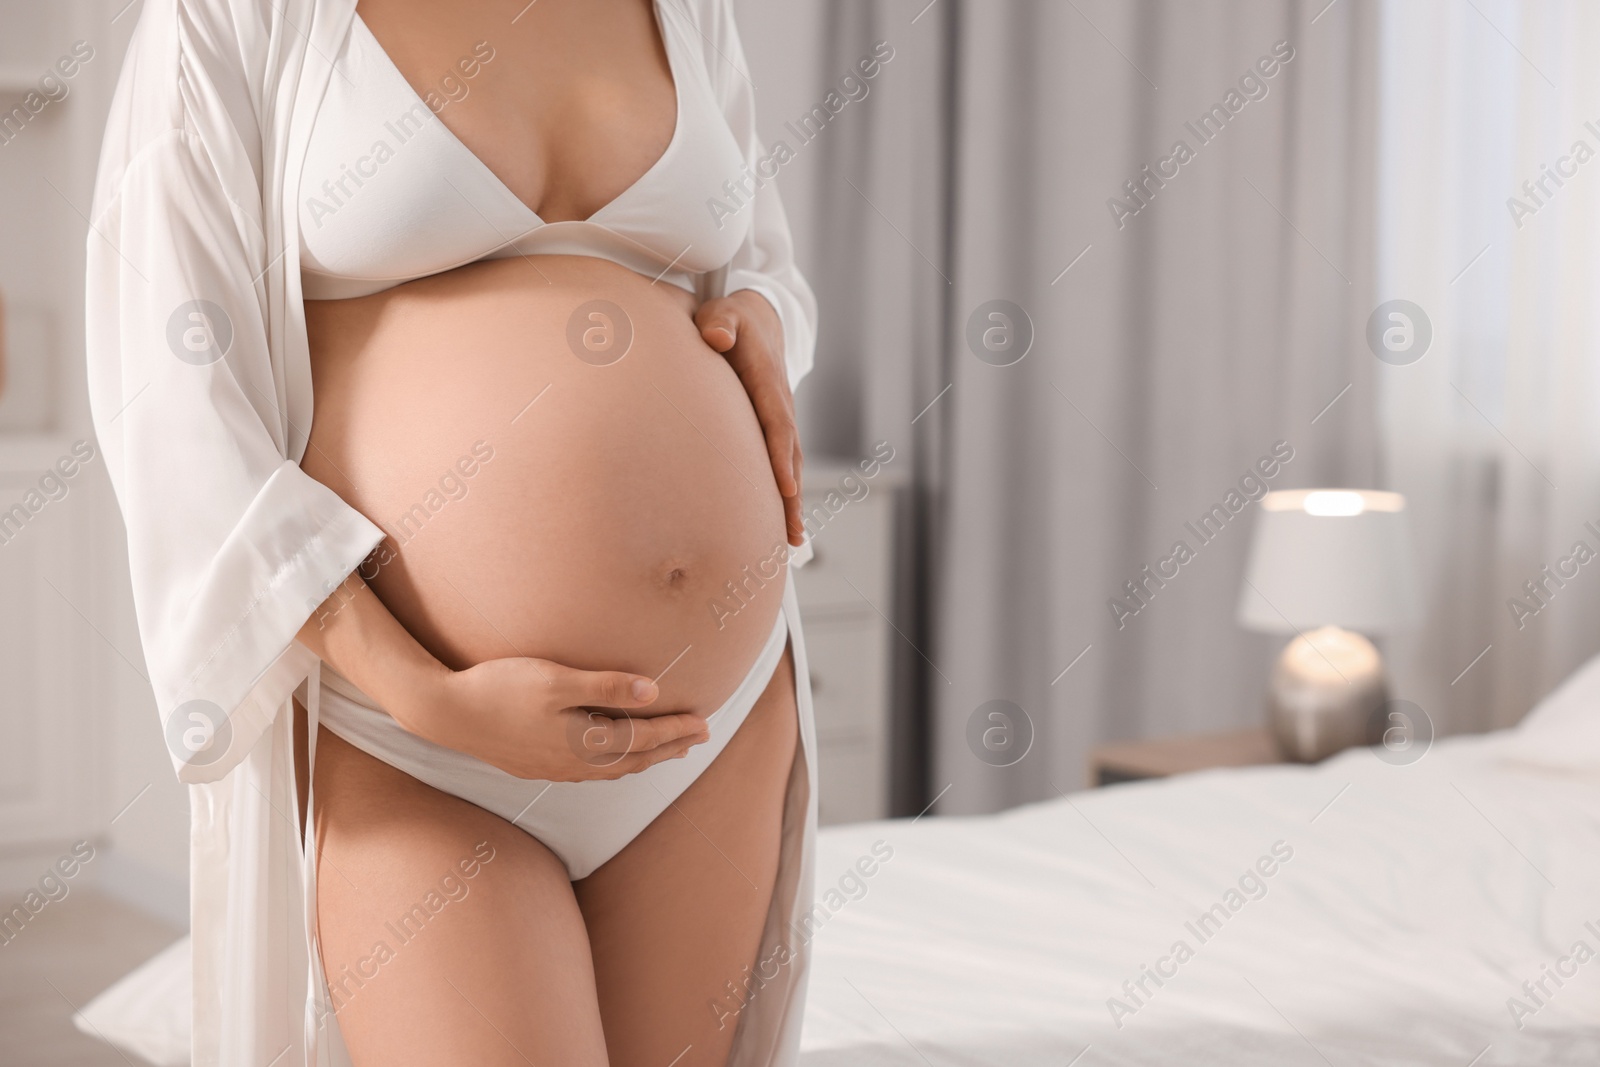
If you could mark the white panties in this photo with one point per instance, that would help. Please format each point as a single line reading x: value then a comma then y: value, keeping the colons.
x: 583, y: 823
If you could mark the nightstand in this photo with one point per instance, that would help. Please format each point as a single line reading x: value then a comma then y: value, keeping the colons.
x: 845, y: 594
x: 1131, y: 761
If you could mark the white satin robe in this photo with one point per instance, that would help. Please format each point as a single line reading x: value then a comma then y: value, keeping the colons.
x: 200, y: 385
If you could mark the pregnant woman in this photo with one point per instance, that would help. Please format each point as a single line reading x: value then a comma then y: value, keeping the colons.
x: 484, y: 670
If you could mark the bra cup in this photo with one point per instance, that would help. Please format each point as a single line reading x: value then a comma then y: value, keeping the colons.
x: 389, y: 194
x: 691, y: 198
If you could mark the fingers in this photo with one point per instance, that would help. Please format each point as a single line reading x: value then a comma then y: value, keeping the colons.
x: 602, y: 740
x: 765, y: 380
x: 718, y: 322
x: 643, y: 761
x: 793, y: 521
x: 797, y: 528
x: 608, y: 689
x: 793, y: 513
x: 781, y: 442
x: 774, y: 406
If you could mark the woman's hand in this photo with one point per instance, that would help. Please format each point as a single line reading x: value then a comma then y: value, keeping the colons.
x: 529, y: 717
x: 747, y: 331
x: 538, y: 719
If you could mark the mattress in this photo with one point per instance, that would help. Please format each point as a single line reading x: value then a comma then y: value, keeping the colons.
x: 1355, y: 912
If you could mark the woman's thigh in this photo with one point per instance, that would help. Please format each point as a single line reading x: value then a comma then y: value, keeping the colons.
x: 448, y: 935
x: 677, y: 915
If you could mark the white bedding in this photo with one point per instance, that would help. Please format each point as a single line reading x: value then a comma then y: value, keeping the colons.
x: 1417, y: 901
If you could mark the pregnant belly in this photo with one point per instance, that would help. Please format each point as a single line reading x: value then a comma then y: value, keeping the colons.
x: 562, y: 467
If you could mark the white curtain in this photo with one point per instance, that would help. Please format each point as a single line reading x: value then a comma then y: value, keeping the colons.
x: 1173, y: 355
x: 1494, y: 434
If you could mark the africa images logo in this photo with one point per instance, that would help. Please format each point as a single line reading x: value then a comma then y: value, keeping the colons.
x: 1399, y: 332
x: 199, y: 332
x: 599, y: 333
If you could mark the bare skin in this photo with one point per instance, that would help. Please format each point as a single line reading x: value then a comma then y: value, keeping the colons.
x: 523, y: 965
x: 578, y: 103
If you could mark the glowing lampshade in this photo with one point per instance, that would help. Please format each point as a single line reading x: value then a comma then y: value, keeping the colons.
x: 1330, y: 557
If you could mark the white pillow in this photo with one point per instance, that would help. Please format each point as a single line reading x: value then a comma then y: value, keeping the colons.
x: 1563, y: 730
x: 147, y: 1012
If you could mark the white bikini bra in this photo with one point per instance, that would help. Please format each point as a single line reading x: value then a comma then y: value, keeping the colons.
x: 389, y: 194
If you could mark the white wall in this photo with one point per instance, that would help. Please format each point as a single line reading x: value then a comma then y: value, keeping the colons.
x: 119, y: 789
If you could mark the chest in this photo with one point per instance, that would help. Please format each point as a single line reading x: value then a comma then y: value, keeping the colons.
x: 466, y: 137
x: 568, y: 102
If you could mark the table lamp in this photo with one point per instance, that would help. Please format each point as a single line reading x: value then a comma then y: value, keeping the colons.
x: 1328, y: 565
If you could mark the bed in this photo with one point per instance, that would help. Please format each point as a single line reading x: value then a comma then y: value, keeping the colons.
x: 1442, y: 912
x: 1414, y: 902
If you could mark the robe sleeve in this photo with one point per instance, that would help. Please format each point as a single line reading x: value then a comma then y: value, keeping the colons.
x: 231, y: 546
x: 765, y: 262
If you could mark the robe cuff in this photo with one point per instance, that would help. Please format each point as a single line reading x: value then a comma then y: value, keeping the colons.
x: 297, y: 541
